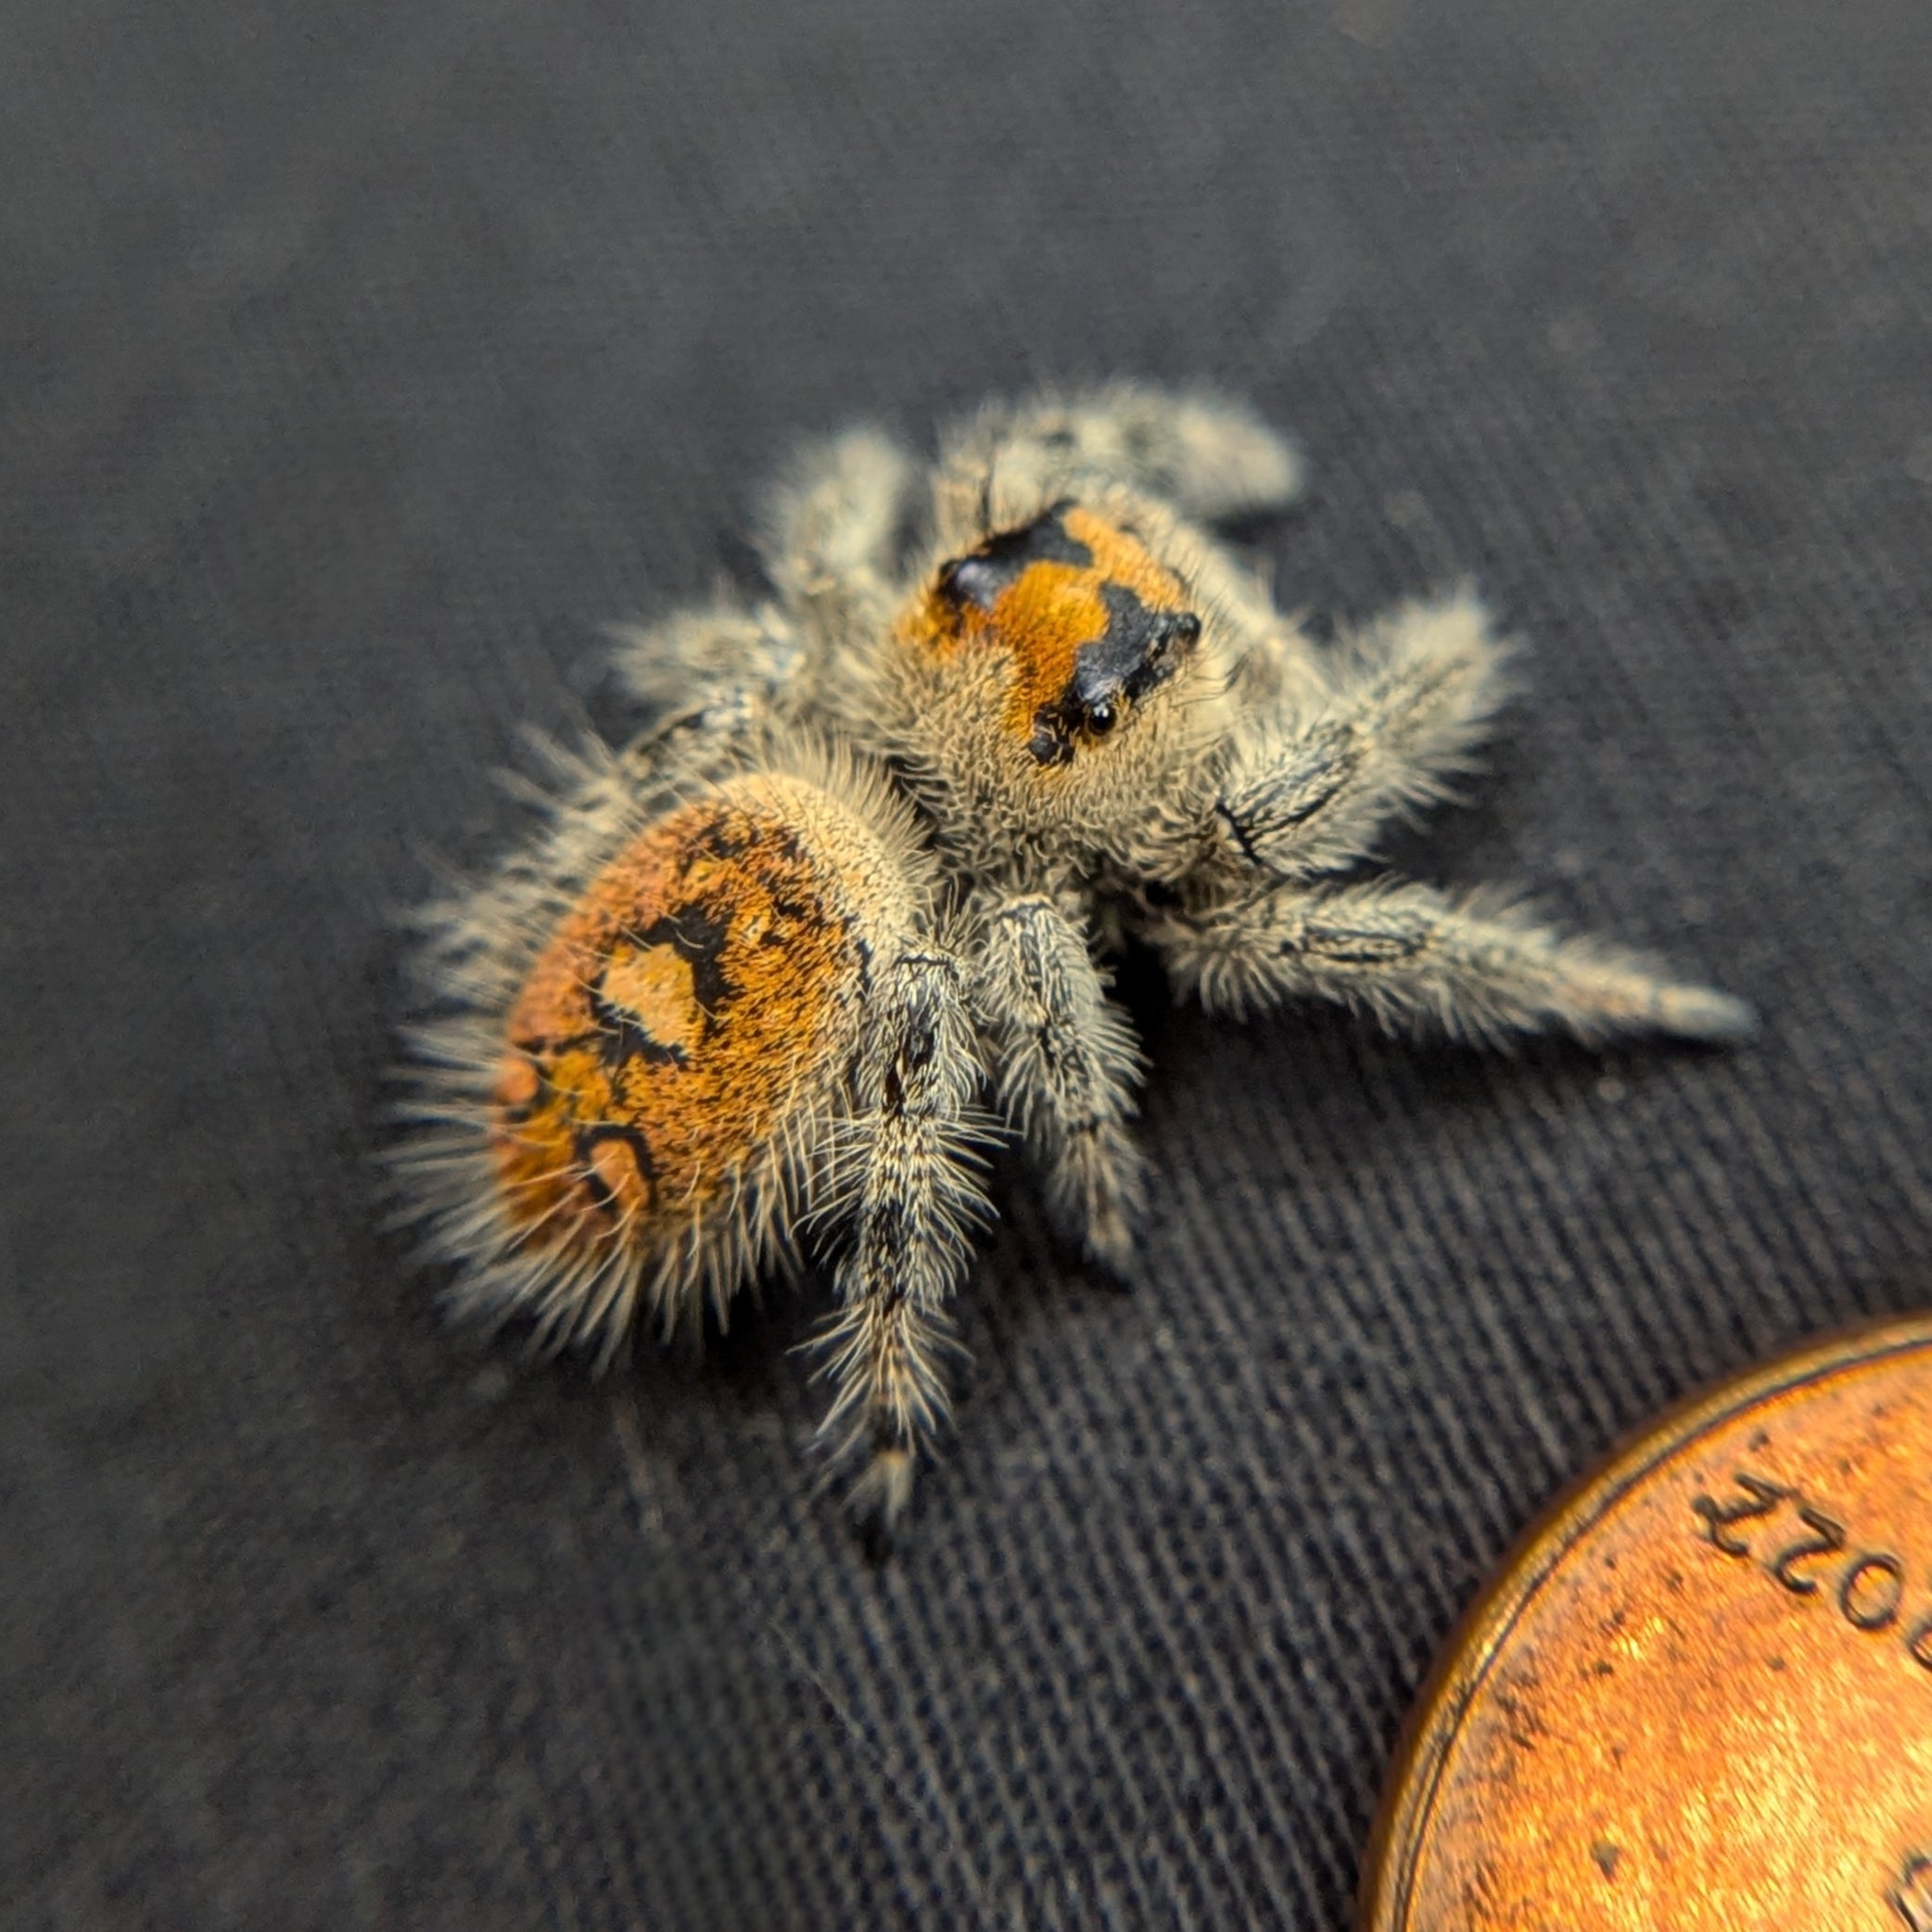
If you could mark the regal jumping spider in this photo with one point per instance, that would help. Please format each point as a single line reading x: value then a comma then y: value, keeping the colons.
x: 998, y: 715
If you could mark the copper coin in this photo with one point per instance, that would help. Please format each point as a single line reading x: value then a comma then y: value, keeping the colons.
x: 1699, y: 1696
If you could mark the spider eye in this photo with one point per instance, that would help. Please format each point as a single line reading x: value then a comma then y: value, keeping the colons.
x: 1101, y: 720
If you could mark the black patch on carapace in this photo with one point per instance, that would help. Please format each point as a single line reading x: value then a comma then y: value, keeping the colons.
x: 588, y: 1139
x: 1138, y: 653
x: 698, y: 938
x: 981, y: 575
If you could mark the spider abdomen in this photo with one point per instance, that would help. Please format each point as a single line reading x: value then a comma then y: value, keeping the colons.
x: 674, y: 1043
x: 699, y: 997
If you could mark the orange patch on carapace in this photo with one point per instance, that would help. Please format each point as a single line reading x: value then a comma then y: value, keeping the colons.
x: 698, y: 995
x: 1049, y: 611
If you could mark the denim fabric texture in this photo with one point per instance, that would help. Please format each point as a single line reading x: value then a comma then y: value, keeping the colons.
x: 357, y: 363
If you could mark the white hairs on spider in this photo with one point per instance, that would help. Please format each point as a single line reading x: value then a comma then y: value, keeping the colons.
x: 996, y: 714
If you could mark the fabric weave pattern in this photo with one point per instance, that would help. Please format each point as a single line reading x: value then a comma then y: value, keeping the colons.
x: 360, y: 362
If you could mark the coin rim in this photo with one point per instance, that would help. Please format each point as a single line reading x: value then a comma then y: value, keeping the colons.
x: 1422, y: 1752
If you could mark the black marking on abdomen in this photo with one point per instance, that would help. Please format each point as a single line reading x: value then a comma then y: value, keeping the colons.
x: 621, y: 1036
x: 698, y: 939
x: 697, y: 934
x: 586, y: 1141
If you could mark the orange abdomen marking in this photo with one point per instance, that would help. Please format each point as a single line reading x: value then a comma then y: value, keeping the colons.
x: 1091, y: 619
x: 700, y: 997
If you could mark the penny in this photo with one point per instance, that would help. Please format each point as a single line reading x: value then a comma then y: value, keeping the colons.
x: 1700, y: 1694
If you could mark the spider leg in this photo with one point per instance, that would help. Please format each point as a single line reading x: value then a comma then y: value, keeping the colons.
x: 831, y: 527
x: 1476, y: 967
x: 906, y: 1173
x: 827, y: 538
x: 1307, y: 788
x: 1209, y: 458
x: 1068, y: 1063
x: 725, y: 661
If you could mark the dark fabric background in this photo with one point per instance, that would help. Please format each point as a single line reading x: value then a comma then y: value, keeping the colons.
x: 359, y: 359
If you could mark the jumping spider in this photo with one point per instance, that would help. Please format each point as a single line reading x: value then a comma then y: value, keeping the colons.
x: 997, y: 716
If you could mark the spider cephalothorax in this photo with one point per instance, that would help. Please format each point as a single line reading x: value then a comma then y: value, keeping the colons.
x: 1082, y: 621
x: 866, y: 857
